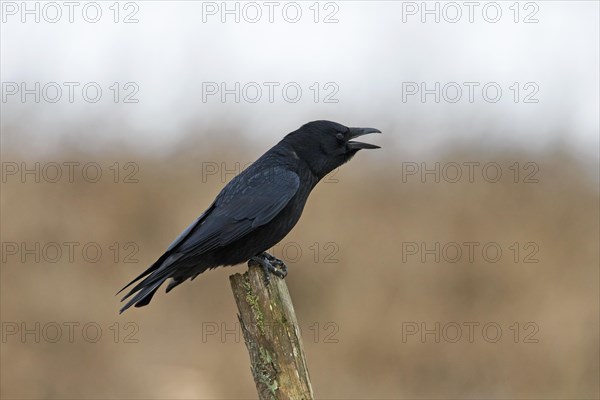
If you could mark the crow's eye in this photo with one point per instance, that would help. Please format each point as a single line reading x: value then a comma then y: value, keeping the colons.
x: 340, y: 137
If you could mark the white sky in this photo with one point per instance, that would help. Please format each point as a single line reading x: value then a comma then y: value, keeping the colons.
x: 367, y: 55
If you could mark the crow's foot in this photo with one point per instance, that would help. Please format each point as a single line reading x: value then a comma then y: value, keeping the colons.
x: 269, y: 264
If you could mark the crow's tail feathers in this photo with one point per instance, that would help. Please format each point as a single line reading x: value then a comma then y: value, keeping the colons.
x: 153, y: 278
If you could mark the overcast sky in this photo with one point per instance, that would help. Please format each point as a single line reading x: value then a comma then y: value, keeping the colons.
x: 357, y: 62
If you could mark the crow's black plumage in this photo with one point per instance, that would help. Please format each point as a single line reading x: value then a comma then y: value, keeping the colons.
x: 255, y: 210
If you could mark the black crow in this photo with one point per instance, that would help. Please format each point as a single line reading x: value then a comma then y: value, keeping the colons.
x: 255, y: 210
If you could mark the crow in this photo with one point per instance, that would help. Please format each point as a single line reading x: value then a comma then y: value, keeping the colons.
x: 254, y: 211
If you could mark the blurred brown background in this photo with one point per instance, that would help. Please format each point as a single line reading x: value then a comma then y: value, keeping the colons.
x: 361, y: 296
x: 387, y: 307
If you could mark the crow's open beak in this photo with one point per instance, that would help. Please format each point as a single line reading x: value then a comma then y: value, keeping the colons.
x: 356, y: 132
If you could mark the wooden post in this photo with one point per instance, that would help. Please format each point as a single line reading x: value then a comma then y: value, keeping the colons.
x: 272, y: 336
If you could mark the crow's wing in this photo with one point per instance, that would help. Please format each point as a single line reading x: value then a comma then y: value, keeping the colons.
x: 244, y: 205
x: 189, y: 229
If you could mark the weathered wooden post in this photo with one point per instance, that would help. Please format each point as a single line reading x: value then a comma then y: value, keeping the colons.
x: 272, y: 336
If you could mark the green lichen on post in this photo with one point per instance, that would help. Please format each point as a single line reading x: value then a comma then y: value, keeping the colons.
x: 267, y: 365
x: 252, y: 300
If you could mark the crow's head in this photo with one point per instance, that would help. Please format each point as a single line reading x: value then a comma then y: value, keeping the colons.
x: 325, y: 145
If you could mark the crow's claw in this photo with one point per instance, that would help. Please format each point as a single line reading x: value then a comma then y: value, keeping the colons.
x: 270, y: 265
